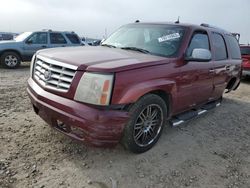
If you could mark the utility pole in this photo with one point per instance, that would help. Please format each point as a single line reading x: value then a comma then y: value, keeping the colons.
x: 106, y: 33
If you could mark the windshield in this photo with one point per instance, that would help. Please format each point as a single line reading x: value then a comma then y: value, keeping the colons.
x: 22, y: 36
x: 163, y: 40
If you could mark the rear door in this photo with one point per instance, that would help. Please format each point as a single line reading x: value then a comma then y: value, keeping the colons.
x: 73, y: 39
x: 222, y: 64
x: 57, y: 40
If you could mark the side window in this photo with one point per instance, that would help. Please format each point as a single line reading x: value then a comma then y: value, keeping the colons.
x: 219, y: 45
x: 73, y: 38
x: 199, y: 40
x: 234, y: 48
x: 38, y: 38
x: 57, y: 38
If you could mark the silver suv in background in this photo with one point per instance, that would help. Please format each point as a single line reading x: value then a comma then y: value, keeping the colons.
x: 22, y: 48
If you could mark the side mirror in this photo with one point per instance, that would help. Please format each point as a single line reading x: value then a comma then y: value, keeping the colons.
x: 29, y: 42
x: 102, y: 41
x: 199, y: 54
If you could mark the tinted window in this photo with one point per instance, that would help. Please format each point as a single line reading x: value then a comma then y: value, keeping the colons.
x: 73, y: 38
x: 220, y: 51
x: 38, y: 38
x: 233, y: 46
x: 6, y: 37
x: 57, y: 38
x: 245, y: 51
x: 199, y: 40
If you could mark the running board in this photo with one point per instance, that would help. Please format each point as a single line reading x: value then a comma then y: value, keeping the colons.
x: 186, y: 116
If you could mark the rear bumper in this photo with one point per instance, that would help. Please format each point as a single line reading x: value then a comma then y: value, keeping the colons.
x: 246, y: 72
x: 96, y: 127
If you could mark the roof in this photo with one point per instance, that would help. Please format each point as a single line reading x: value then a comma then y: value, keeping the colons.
x: 202, y: 26
x: 50, y: 30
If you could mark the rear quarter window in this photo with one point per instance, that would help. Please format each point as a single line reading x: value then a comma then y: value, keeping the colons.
x: 233, y: 47
x: 73, y: 38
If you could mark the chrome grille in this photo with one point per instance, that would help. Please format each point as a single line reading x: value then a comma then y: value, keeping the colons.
x: 53, y: 74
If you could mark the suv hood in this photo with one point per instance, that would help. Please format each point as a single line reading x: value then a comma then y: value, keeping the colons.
x: 8, y: 43
x: 100, y: 58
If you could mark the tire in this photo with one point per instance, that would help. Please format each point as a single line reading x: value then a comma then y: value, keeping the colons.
x: 10, y: 60
x: 144, y: 128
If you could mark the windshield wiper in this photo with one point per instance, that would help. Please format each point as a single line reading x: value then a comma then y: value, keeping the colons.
x: 109, y: 45
x: 136, y: 49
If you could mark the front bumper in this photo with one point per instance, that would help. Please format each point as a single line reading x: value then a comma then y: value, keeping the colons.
x: 97, y: 127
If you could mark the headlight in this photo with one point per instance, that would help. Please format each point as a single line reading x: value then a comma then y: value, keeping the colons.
x: 32, y: 64
x: 95, y: 88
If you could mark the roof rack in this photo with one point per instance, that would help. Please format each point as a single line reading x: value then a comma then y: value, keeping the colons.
x: 205, y: 25
x: 237, y: 36
x: 214, y: 27
x: 69, y: 31
x: 210, y: 26
x: 49, y: 30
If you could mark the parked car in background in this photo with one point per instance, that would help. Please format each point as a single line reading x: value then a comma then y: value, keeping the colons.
x: 23, y: 47
x: 91, y: 41
x: 245, y: 54
x: 6, y: 36
x: 142, y: 76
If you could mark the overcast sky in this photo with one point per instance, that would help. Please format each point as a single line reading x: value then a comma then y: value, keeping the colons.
x: 91, y: 17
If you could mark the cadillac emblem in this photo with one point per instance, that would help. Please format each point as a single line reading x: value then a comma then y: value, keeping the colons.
x: 47, y: 75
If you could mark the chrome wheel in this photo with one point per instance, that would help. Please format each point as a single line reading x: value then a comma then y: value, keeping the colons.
x: 148, y: 125
x: 11, y: 60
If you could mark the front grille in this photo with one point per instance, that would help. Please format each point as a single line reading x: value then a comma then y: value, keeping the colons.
x: 53, y: 74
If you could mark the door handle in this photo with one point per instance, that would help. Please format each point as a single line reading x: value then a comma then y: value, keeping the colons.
x: 211, y: 71
x: 227, y: 67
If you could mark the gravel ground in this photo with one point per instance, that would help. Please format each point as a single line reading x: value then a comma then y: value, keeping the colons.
x: 209, y: 151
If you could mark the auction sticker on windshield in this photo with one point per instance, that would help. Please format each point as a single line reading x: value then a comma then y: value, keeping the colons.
x: 169, y: 37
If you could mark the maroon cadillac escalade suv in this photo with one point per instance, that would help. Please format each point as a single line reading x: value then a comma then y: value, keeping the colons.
x: 143, y: 77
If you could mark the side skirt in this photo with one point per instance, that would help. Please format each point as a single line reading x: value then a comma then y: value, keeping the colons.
x: 191, y: 114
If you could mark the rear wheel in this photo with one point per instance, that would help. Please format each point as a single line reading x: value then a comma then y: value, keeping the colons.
x: 10, y: 60
x: 147, y: 118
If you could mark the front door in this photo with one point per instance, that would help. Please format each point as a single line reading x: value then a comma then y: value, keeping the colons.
x: 196, y: 80
x: 36, y: 41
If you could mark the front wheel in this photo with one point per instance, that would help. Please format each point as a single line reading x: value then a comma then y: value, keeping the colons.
x: 10, y: 60
x: 147, y: 118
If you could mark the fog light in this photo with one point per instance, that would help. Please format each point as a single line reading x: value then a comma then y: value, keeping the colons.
x: 62, y: 126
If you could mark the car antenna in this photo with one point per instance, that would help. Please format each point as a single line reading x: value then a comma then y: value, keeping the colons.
x: 178, y: 20
x: 137, y: 21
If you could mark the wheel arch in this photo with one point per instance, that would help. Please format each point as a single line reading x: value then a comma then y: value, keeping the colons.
x: 165, y: 96
x: 12, y: 50
x: 231, y: 83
